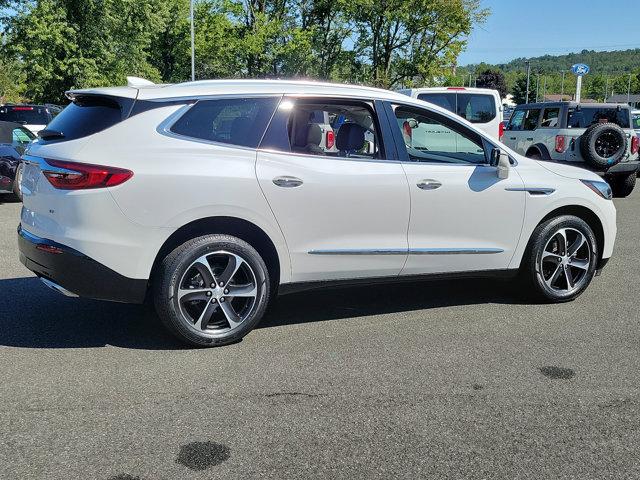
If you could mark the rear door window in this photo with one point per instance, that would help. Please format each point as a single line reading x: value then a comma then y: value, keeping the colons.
x: 636, y: 121
x: 477, y: 108
x: 444, y: 100
x: 235, y: 121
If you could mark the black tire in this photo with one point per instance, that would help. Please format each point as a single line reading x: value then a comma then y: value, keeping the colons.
x: 16, y: 182
x: 173, y: 270
x: 623, y: 185
x: 535, y: 279
x: 534, y: 155
x: 603, y: 155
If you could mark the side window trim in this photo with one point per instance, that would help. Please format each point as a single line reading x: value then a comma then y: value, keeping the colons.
x: 404, y: 155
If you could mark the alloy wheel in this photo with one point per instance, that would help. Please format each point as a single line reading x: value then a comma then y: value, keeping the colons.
x: 217, y: 293
x: 565, y: 261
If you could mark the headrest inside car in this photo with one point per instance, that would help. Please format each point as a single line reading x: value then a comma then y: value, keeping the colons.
x: 350, y: 137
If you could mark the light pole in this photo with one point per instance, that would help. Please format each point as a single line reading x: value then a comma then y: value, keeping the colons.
x: 606, y: 87
x: 528, y: 64
x: 537, y: 85
x: 193, y: 43
x: 562, y: 86
x: 629, y: 89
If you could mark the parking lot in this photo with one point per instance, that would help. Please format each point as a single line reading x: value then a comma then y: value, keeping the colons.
x: 460, y: 379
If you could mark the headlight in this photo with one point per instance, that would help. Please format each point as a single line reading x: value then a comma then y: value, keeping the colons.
x: 601, y: 188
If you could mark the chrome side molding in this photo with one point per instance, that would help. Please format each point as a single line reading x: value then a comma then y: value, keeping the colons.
x: 410, y: 251
x: 532, y: 190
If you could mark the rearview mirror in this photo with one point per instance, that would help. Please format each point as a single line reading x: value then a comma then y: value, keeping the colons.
x: 500, y: 160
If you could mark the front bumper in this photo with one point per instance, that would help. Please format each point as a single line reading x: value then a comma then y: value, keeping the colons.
x: 75, y: 272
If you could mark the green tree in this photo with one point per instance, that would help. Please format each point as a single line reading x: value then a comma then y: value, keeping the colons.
x: 494, y: 79
x: 520, y: 90
x: 407, y: 42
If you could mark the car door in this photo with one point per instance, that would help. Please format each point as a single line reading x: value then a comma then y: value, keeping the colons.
x: 344, y: 210
x: 463, y: 217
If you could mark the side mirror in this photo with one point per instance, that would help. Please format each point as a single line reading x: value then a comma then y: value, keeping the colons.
x: 500, y: 160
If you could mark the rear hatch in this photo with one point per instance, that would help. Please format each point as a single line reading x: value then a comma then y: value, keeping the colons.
x: 34, y: 117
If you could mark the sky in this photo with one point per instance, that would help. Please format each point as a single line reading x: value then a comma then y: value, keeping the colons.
x: 532, y: 28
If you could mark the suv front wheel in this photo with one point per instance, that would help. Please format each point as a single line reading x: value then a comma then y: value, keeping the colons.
x: 212, y: 290
x: 561, y: 259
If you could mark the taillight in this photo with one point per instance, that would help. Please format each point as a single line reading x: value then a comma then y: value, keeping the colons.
x: 81, y: 176
x: 500, y: 131
x: 331, y: 139
x: 634, y: 144
x: 560, y: 143
x: 406, y: 132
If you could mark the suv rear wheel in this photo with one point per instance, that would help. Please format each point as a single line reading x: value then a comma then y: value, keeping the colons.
x: 16, y: 183
x: 623, y: 185
x: 212, y: 290
x: 560, y: 261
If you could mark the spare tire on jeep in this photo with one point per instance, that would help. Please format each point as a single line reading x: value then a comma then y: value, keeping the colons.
x: 603, y: 145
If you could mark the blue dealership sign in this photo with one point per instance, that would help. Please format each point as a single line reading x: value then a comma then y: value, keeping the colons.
x: 580, y: 69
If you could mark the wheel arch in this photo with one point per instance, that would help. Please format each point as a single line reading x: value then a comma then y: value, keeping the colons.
x: 541, y: 149
x: 237, y: 227
x: 582, y: 212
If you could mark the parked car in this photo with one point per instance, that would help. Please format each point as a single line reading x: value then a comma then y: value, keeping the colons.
x: 480, y: 106
x: 207, y: 198
x: 33, y: 117
x: 596, y: 136
x: 14, y: 138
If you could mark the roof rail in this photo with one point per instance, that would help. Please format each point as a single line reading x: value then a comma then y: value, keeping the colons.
x: 138, y: 82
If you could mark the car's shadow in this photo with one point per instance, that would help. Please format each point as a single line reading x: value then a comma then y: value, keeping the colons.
x: 33, y: 316
x: 8, y: 198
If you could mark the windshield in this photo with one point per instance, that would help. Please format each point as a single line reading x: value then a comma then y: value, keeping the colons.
x: 25, y: 115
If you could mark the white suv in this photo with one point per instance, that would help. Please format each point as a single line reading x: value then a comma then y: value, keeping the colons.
x: 208, y: 198
x: 480, y: 106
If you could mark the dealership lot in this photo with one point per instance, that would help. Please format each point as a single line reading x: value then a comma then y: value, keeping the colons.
x: 446, y: 380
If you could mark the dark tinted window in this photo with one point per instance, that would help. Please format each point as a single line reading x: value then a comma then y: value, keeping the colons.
x: 86, y: 116
x: 636, y: 121
x: 238, y: 121
x: 25, y: 115
x: 477, y: 108
x: 585, y: 116
x: 531, y: 119
x: 444, y: 100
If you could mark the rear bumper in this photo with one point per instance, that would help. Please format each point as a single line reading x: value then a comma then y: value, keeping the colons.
x: 622, y: 168
x: 76, y: 273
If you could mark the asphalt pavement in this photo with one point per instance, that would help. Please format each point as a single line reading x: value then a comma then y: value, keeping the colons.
x: 457, y: 379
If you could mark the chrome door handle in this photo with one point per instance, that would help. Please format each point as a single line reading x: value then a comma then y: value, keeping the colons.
x: 429, y: 184
x: 287, y: 182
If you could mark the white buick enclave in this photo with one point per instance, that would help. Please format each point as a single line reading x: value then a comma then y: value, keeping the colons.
x: 211, y: 197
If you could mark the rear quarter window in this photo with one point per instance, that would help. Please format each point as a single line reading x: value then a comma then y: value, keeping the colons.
x: 236, y: 121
